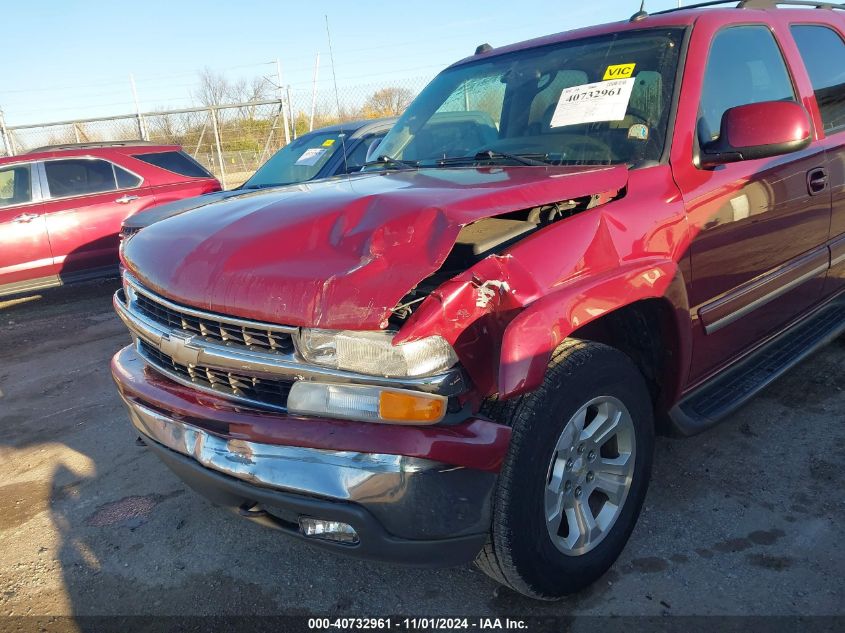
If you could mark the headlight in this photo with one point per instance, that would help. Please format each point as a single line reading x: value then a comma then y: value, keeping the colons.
x: 126, y: 232
x: 128, y: 290
x: 372, y: 353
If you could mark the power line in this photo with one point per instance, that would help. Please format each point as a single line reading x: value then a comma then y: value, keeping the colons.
x: 157, y: 78
x: 161, y: 82
x: 108, y: 82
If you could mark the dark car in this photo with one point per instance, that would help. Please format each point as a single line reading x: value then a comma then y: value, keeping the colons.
x: 61, y: 207
x: 318, y: 154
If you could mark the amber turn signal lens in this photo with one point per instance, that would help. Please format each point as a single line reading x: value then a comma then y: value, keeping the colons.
x: 415, y: 409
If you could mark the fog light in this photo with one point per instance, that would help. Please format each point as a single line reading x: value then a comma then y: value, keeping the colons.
x: 328, y: 530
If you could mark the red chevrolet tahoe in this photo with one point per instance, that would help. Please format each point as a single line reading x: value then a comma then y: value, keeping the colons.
x: 465, y: 351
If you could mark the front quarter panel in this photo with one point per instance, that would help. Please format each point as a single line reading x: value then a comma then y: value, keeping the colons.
x: 534, y: 334
x: 545, y: 287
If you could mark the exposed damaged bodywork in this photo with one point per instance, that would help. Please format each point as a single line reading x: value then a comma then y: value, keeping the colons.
x: 492, y: 236
x: 545, y: 279
x: 458, y: 253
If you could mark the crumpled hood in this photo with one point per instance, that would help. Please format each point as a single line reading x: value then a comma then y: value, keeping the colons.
x: 338, y: 253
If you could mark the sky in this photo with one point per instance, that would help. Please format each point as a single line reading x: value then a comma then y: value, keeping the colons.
x: 68, y: 59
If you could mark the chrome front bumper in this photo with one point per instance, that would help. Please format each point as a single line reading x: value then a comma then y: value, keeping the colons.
x: 403, y: 508
x: 406, y: 498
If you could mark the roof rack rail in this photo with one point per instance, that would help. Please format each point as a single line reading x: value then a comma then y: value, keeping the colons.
x: 747, y: 4
x: 93, y: 145
x: 773, y: 4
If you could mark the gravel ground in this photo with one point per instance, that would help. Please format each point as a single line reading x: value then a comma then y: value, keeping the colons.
x: 744, y: 519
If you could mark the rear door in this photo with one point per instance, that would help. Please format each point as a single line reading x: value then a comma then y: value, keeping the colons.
x: 25, y: 255
x: 822, y: 48
x: 758, y: 256
x: 86, y: 200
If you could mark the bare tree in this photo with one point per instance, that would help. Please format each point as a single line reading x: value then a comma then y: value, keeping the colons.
x: 162, y: 129
x: 246, y: 91
x: 214, y: 89
x: 256, y: 89
x: 390, y: 101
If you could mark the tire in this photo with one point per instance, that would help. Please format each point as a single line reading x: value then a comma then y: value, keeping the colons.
x: 522, y: 553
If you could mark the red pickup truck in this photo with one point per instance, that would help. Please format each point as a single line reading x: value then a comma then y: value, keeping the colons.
x: 465, y: 351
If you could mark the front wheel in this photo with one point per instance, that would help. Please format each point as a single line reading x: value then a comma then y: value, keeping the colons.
x: 576, y: 474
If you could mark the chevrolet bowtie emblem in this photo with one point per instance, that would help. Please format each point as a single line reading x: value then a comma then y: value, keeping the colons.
x: 179, y: 348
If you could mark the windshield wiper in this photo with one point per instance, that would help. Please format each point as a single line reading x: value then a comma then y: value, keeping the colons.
x: 389, y: 160
x: 489, y: 155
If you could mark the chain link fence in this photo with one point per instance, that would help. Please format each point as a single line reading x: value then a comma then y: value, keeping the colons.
x: 230, y: 140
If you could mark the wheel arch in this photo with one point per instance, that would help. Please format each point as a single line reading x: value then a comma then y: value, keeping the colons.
x: 611, y: 310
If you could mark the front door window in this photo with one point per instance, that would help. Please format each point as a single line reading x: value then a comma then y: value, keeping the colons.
x: 15, y: 185
x: 79, y: 177
x: 745, y: 66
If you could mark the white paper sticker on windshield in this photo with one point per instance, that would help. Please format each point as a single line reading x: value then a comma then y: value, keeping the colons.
x: 311, y: 156
x: 590, y: 103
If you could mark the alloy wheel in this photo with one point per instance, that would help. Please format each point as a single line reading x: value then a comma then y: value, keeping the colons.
x: 589, y: 476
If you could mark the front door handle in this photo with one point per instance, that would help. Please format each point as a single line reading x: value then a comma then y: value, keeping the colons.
x: 26, y: 217
x: 816, y: 181
x: 126, y: 199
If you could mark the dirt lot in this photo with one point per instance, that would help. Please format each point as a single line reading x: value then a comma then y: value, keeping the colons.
x: 745, y: 519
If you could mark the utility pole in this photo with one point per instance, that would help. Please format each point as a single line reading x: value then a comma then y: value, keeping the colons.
x: 314, y: 92
x: 282, y: 100
x: 142, y: 127
x: 290, y: 113
x: 8, y: 143
x: 220, y: 162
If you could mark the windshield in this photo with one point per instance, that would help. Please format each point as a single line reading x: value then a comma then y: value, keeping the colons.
x: 596, y: 101
x: 299, y: 161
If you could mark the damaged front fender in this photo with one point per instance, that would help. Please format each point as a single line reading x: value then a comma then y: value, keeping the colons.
x: 507, y: 313
x: 472, y: 312
x: 536, y: 332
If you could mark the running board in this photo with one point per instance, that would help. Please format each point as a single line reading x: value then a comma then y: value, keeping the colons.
x: 711, y: 402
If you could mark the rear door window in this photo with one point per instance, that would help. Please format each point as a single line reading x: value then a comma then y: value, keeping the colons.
x: 176, y: 162
x: 823, y: 52
x: 15, y: 185
x: 745, y: 66
x: 125, y: 179
x: 79, y: 177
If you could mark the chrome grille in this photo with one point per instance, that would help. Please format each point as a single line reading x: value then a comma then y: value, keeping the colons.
x: 273, y: 393
x: 212, y: 327
x: 249, y: 361
x: 128, y: 231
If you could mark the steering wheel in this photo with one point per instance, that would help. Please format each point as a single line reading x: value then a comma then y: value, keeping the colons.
x: 636, y: 112
x: 585, y: 145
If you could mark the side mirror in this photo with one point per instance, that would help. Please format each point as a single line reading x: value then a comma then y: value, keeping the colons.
x: 758, y: 130
x: 372, y: 151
